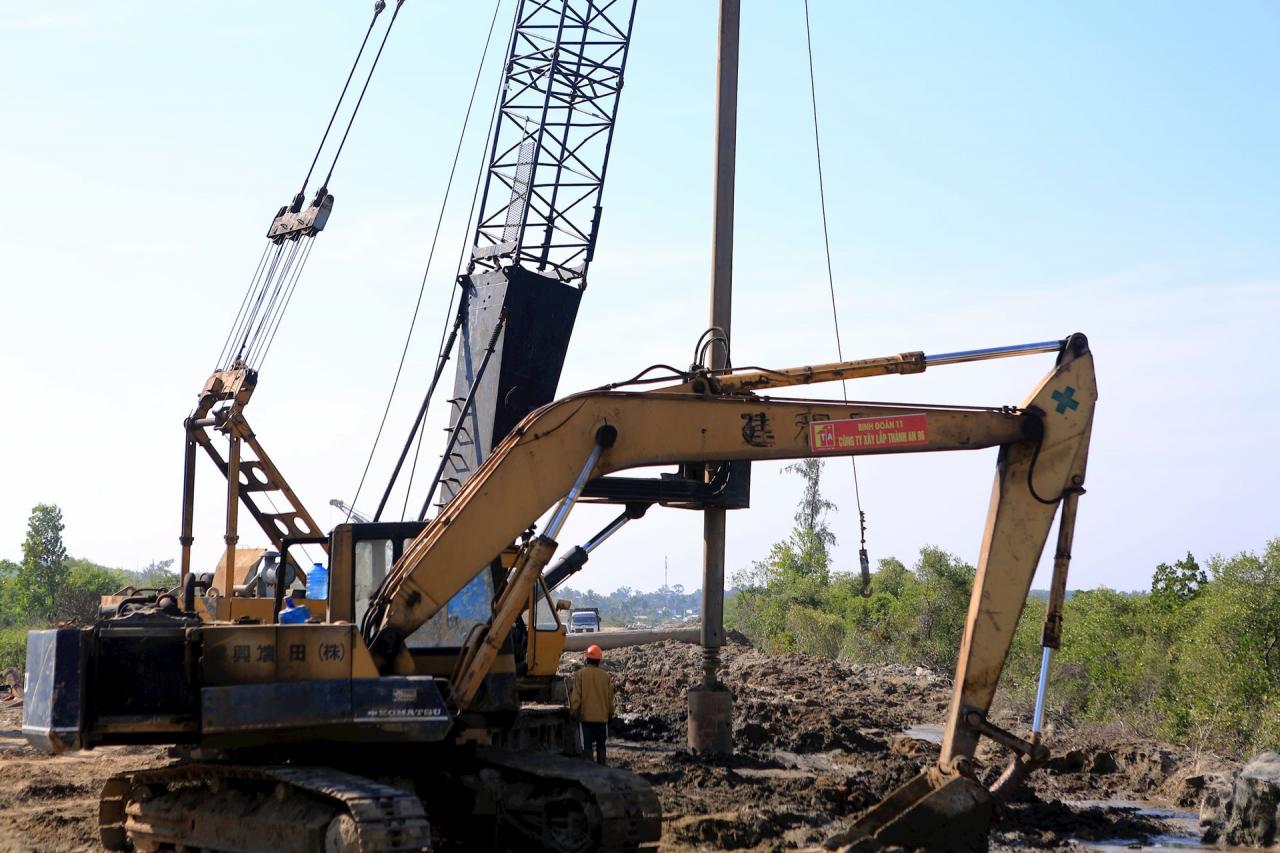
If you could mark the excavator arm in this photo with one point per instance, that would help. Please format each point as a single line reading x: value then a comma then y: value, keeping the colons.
x: 1043, y: 445
x: 539, y: 462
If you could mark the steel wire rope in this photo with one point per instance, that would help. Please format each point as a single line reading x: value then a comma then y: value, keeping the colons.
x: 374, y: 613
x: 288, y: 279
x: 280, y: 299
x: 252, y: 317
x: 254, y: 282
x: 441, y: 360
x: 245, y: 320
x: 287, y: 276
x: 377, y: 10
x: 302, y: 264
x: 231, y: 333
x: 279, y: 302
x: 463, y: 254
x: 430, y: 257
x: 253, y: 302
x: 275, y: 287
x: 831, y: 285
x: 363, y: 89
x: 284, y: 276
x: 378, y: 7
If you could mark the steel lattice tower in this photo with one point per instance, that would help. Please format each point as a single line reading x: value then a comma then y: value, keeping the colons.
x: 541, y: 203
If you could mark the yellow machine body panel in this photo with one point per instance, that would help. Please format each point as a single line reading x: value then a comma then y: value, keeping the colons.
x: 247, y: 654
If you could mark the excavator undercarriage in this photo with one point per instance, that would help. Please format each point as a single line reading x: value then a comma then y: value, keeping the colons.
x: 455, y: 799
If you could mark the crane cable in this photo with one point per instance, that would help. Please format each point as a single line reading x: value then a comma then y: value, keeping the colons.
x: 377, y: 10
x: 484, y: 54
x: 360, y: 100
x: 464, y: 255
x: 863, y: 560
x: 464, y: 258
x: 271, y: 288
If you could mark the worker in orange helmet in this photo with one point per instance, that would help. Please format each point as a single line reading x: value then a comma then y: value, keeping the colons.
x: 591, y: 702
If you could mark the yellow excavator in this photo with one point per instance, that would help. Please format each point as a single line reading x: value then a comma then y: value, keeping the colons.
x: 343, y: 734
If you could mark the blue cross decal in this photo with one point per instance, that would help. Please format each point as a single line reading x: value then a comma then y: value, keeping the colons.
x: 1066, y: 400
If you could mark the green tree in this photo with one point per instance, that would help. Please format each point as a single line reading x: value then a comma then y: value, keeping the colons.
x: 946, y: 583
x: 10, y: 606
x: 890, y: 577
x: 795, y: 574
x: 811, y: 512
x: 44, y: 567
x: 1173, y: 586
x: 13, y: 648
x: 1122, y: 671
x: 158, y: 574
x: 815, y: 631
x: 1229, y: 654
x: 80, y: 595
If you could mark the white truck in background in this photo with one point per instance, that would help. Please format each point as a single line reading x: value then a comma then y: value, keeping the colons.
x: 584, y: 620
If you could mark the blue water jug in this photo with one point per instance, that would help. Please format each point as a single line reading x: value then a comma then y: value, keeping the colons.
x: 294, y: 614
x: 318, y: 583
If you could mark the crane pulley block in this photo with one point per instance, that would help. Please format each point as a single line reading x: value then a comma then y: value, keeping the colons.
x: 294, y: 221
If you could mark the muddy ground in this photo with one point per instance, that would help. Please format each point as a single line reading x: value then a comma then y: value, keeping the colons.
x: 51, y: 803
x: 818, y: 742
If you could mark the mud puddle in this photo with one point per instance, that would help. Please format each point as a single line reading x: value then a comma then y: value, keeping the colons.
x: 1184, y: 828
x: 927, y: 732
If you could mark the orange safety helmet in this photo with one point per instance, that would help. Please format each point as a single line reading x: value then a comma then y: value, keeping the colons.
x: 594, y: 653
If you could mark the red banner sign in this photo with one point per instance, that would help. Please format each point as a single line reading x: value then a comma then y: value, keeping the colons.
x: 868, y: 433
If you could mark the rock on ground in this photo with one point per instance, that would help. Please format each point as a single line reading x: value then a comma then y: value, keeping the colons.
x: 1251, y: 816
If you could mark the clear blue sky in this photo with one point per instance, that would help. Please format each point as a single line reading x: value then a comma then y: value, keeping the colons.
x: 997, y: 173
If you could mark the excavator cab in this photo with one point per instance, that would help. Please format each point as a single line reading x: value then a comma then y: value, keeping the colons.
x: 363, y: 554
x: 546, y: 632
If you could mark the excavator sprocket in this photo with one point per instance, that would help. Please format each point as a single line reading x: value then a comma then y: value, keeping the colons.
x: 247, y: 808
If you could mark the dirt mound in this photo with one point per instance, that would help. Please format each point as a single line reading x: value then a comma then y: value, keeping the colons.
x: 53, y: 790
x: 797, y: 703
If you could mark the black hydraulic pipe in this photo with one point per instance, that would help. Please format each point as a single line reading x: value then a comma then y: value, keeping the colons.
x: 466, y: 407
x: 186, y: 537
x: 282, y: 569
x: 422, y: 410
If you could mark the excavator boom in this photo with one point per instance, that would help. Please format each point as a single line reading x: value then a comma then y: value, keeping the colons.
x: 253, y: 683
x: 1043, y: 445
x: 536, y: 465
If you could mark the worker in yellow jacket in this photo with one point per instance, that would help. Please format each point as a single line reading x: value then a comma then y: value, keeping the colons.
x: 591, y: 702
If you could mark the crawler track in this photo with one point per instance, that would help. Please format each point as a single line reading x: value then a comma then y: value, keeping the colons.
x: 517, y: 800
x: 574, y: 805
x: 247, y: 808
